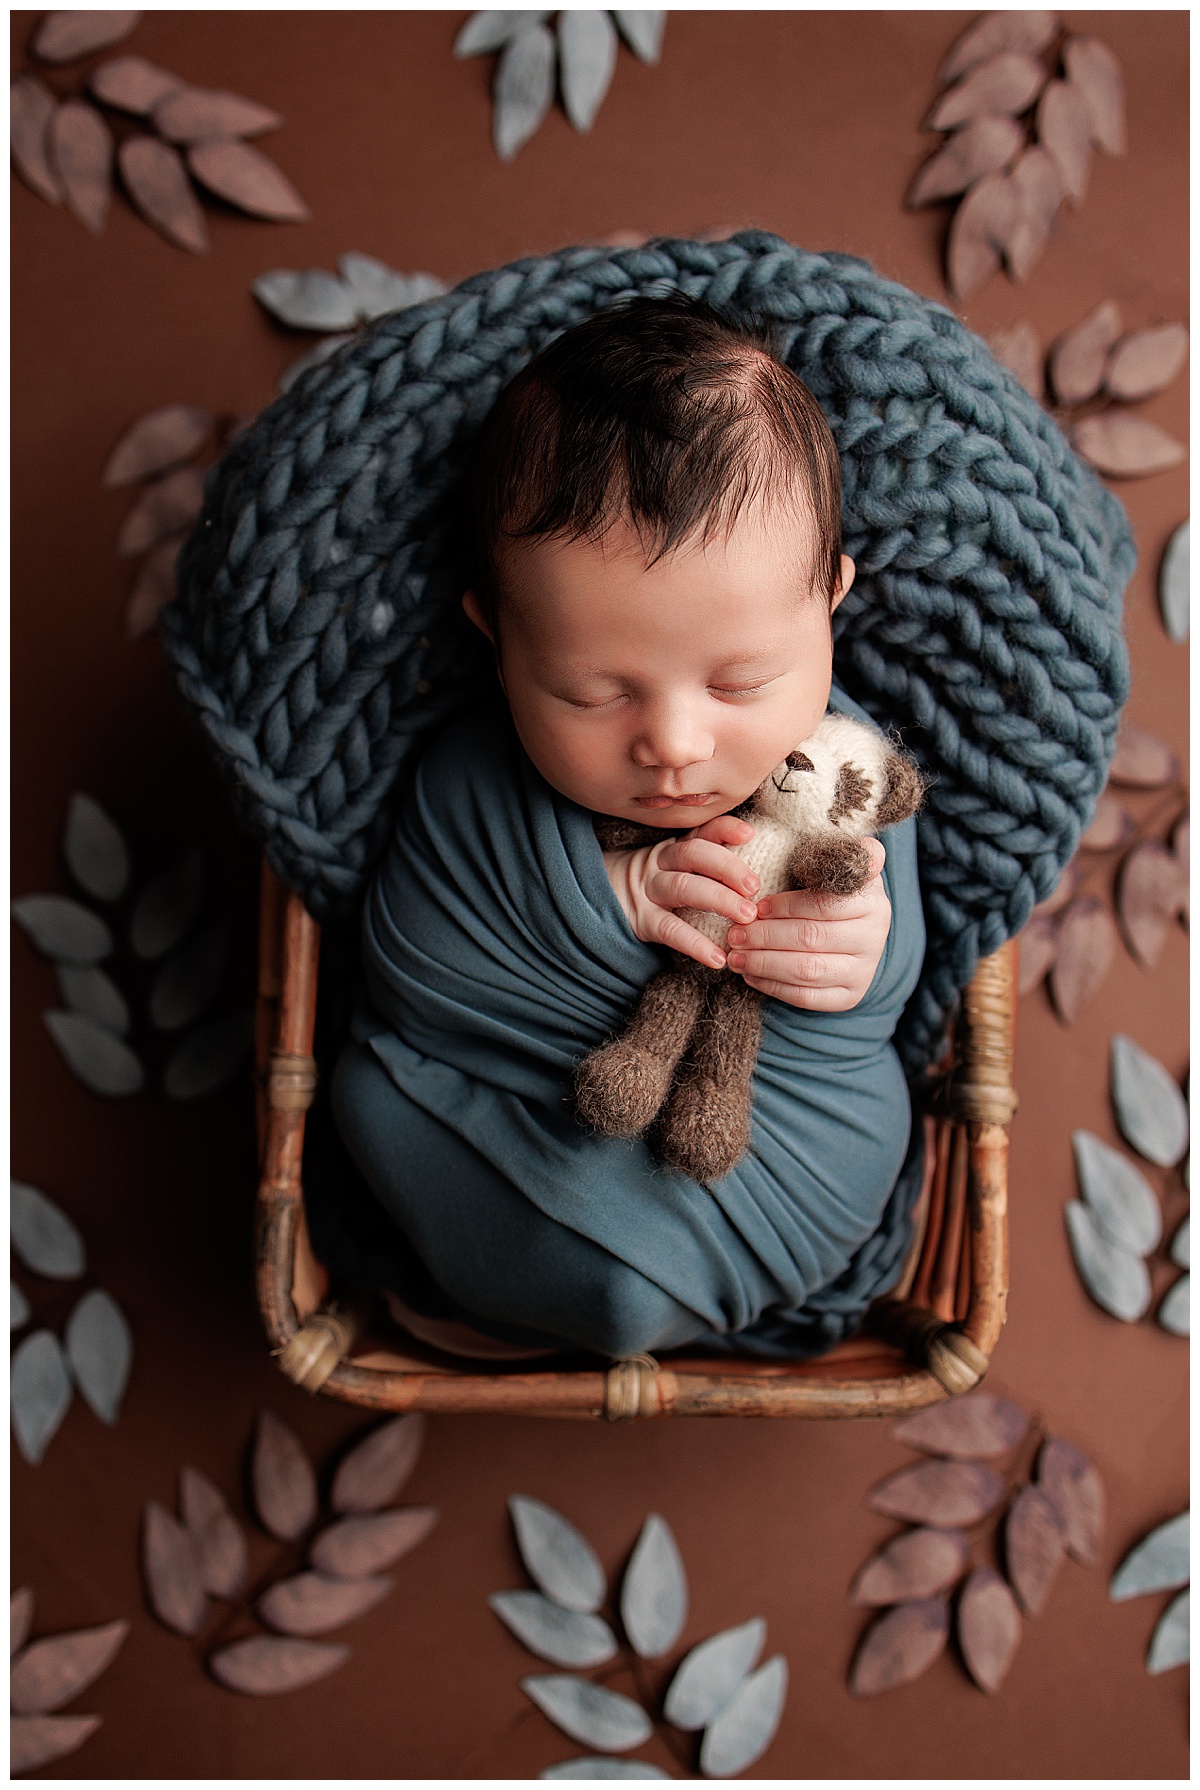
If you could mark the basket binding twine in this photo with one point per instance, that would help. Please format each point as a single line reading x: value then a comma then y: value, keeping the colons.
x: 317, y: 630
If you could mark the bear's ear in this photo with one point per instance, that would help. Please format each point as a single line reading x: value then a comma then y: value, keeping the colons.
x: 903, y: 791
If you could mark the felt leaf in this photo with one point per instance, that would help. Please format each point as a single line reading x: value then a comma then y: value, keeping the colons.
x: 1094, y: 70
x: 643, y: 32
x: 1159, y: 1562
x: 996, y: 31
x: 1074, y: 1487
x: 172, y: 1572
x: 1008, y: 82
x: 222, y: 1559
x: 979, y: 232
x: 39, y: 1393
x: 283, y: 1478
x: 945, y: 1494
x: 711, y: 1673
x: 157, y: 442
x: 96, y: 1057
x: 981, y: 147
x: 917, y: 1563
x: 81, y: 148
x: 1064, y: 131
x: 264, y: 1665
x: 1033, y: 1547
x: 52, y: 1671
x: 1116, y: 1279
x: 193, y: 114
x: 587, y: 58
x: 1174, y: 584
x: 35, y: 1740
x: 309, y: 1603
x: 603, y: 1768
x: 1145, y: 361
x: 377, y: 1467
x: 1181, y: 1244
x: 1126, y: 447
x: 311, y: 300
x: 589, y: 1713
x: 132, y: 84
x: 1038, y: 946
x: 246, y: 178
x: 1151, y: 893
x: 189, y: 981
x: 1078, y: 358
x: 63, y: 929
x: 94, y: 849
x: 1112, y: 824
x: 522, y: 89
x: 556, y: 1556
x: 564, y: 1637
x: 1142, y: 760
x: 20, y: 1618
x: 153, y: 588
x: 164, y: 911
x: 1117, y: 1194
x: 487, y: 31
x: 31, y: 106
x: 654, y: 1593
x: 1085, y: 945
x: 899, y: 1645
x: 747, y: 1725
x: 976, y: 1427
x: 1175, y: 1311
x: 316, y: 357
x: 65, y: 36
x: 1040, y: 190
x: 99, y: 1351
x: 19, y: 1309
x: 378, y: 289
x: 989, y: 1628
x: 1170, y: 1644
x: 156, y: 181
x: 1151, y: 1111
x: 167, y: 507
x: 1018, y: 347
x: 43, y: 1236
x: 358, y: 1545
x: 208, y: 1056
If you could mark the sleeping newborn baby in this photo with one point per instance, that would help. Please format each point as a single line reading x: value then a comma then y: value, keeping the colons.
x: 654, y: 521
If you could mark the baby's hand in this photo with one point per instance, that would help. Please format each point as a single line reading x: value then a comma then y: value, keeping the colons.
x: 816, y: 951
x: 696, y: 871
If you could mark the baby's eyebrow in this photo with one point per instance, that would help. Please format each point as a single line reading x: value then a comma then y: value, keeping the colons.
x: 748, y: 661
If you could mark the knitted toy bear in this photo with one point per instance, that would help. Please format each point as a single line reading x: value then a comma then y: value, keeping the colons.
x: 684, y: 1061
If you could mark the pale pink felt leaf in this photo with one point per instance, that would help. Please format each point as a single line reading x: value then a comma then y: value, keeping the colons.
x: 1078, y: 358
x: 246, y: 178
x: 65, y: 36
x: 167, y: 507
x: 132, y: 84
x: 284, y: 1480
x: 156, y: 180
x: 265, y: 1665
x: 31, y: 107
x: 81, y: 148
x: 49, y: 1672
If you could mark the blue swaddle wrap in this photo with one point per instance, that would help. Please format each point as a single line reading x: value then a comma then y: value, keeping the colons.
x: 496, y: 954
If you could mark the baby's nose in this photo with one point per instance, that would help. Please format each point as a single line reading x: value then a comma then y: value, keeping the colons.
x: 671, y: 739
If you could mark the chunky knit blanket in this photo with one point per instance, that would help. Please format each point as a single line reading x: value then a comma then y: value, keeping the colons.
x: 318, y: 636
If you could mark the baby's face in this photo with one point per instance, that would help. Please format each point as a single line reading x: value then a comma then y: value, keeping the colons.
x: 666, y: 694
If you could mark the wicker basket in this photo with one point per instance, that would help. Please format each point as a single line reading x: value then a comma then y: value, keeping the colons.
x: 931, y: 1338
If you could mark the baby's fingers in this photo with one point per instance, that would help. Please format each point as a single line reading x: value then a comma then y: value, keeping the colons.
x: 724, y: 829
x: 811, y: 1000
x: 677, y: 935
x: 679, y: 888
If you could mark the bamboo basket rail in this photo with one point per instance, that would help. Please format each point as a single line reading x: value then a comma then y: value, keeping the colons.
x: 930, y: 1339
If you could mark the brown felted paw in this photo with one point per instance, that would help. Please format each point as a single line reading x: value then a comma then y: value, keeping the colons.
x: 705, y: 1129
x: 620, y: 1088
x: 831, y: 866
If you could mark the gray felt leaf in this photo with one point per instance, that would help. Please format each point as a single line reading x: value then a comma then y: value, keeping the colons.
x: 1115, y: 1278
x: 208, y: 1056
x: 378, y: 289
x: 587, y: 56
x: 487, y: 31
x: 564, y: 1637
x: 711, y: 1673
x: 1170, y: 1644
x: 654, y: 1596
x: 1175, y: 1311
x: 589, y: 1713
x: 90, y: 991
x: 99, y: 1349
x: 39, y: 1393
x: 189, y: 981
x: 557, y: 1558
x: 746, y: 1727
x: 1150, y: 1108
x: 1159, y: 1562
x: 1117, y: 1194
x: 523, y: 89
x: 603, y: 1768
x: 1181, y: 1245
x: 94, y: 849
x: 19, y: 1310
x: 313, y: 299
x: 63, y: 929
x: 166, y: 908
x: 316, y: 357
x: 1174, y: 584
x: 643, y: 32
x: 43, y: 1236
x: 100, y: 1060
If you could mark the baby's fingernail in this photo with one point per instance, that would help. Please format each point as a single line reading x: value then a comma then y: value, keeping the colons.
x: 747, y: 910
x: 737, y: 935
x: 718, y: 960
x: 751, y: 883
x: 736, y: 960
x: 764, y: 907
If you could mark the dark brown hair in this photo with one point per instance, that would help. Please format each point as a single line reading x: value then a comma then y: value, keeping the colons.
x: 664, y: 410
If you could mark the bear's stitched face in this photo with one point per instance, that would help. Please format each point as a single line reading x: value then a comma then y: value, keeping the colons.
x: 831, y: 784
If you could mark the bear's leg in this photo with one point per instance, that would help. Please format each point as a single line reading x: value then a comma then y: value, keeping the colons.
x: 620, y: 1086
x: 705, y: 1127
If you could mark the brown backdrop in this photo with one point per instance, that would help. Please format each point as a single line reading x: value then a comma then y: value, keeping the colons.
x: 805, y: 123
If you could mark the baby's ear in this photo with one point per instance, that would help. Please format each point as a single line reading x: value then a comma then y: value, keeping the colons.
x: 473, y: 610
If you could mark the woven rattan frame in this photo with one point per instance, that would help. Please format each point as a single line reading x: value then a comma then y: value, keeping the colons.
x: 930, y: 1339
